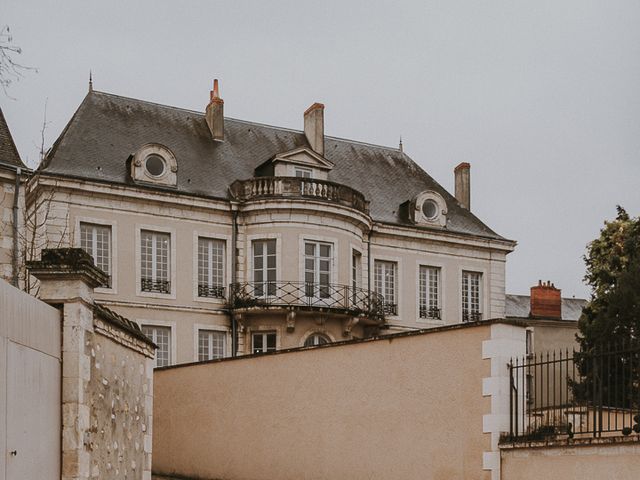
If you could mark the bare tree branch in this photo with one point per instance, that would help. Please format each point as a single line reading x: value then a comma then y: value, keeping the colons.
x: 10, y: 70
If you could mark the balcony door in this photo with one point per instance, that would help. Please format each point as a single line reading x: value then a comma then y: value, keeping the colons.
x: 264, y: 268
x: 317, y: 269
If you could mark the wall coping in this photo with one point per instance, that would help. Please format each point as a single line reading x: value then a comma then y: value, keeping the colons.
x: 573, y: 442
x: 391, y: 337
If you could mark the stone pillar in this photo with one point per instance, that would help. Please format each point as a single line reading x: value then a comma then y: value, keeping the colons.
x: 67, y: 278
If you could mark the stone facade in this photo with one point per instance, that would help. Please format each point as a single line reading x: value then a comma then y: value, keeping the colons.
x: 290, y: 212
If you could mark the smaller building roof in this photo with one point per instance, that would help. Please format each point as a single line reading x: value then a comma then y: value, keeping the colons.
x: 8, y: 152
x: 519, y: 306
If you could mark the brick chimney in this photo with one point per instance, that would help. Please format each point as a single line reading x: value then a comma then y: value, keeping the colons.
x: 462, y: 174
x: 314, y: 127
x: 215, y: 114
x: 546, y: 301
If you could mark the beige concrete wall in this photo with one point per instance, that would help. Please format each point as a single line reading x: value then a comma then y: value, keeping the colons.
x: 407, y: 407
x: 602, y: 460
x: 30, y: 337
x: 550, y: 336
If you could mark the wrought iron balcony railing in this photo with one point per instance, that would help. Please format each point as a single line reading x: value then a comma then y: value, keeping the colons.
x: 468, y: 316
x: 391, y: 309
x: 355, y: 301
x: 432, y: 313
x: 292, y: 187
x: 155, y: 286
x: 211, y: 291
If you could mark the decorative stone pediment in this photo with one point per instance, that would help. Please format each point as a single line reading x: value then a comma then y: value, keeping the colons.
x: 292, y: 162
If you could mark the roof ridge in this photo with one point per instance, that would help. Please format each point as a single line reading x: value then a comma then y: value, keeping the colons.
x: 250, y: 122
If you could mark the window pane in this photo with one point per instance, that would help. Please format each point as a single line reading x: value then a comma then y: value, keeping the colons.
x: 271, y: 342
x: 210, y: 267
x: 96, y: 241
x: 161, y: 336
x: 210, y: 345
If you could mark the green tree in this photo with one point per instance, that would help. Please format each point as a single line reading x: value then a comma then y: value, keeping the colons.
x: 609, y: 327
x: 612, y: 315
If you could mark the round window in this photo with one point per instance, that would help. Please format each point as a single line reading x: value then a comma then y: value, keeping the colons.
x: 154, y: 165
x: 430, y: 209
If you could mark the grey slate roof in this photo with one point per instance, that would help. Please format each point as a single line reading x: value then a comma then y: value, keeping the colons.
x: 106, y: 129
x: 8, y: 151
x: 520, y: 306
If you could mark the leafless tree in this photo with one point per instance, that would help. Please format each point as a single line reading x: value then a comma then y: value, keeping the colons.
x: 10, y: 69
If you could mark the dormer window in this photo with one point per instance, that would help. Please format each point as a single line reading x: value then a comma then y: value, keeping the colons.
x: 429, y: 208
x: 301, y: 162
x: 154, y: 163
x: 303, y: 172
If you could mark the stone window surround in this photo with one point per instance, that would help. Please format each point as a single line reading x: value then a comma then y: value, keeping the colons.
x: 113, y: 290
x: 431, y: 262
x: 353, y: 249
x: 418, y: 215
x: 335, y: 270
x: 484, y: 288
x: 139, y: 171
x: 216, y: 328
x: 399, y: 282
x: 228, y: 262
x: 172, y: 263
x: 249, y: 256
x: 172, y: 340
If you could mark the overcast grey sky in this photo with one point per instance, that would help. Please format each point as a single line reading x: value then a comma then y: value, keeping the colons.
x: 542, y: 98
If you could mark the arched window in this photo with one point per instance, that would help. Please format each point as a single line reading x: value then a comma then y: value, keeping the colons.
x: 316, y: 339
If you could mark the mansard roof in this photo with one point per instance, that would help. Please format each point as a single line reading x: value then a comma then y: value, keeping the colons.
x: 519, y: 306
x: 107, y: 129
x: 8, y: 152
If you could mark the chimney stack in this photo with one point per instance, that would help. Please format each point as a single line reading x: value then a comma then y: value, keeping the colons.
x: 462, y: 174
x: 546, y: 301
x: 314, y: 127
x: 215, y: 113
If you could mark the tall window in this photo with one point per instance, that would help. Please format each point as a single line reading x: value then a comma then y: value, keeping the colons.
x: 161, y: 336
x: 356, y: 277
x: 385, y: 274
x: 317, y: 269
x: 264, y: 267
x: 210, y: 267
x: 429, y: 286
x: 471, y: 282
x: 155, y: 272
x: 263, y: 342
x: 96, y: 241
x: 210, y: 344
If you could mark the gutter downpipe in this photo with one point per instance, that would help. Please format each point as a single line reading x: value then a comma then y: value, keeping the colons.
x: 16, y: 207
x: 234, y: 249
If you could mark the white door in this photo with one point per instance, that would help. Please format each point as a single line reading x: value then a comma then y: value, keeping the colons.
x: 33, y: 414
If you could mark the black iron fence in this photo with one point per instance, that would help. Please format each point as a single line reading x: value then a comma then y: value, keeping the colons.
x: 155, y: 286
x: 345, y: 298
x: 568, y: 394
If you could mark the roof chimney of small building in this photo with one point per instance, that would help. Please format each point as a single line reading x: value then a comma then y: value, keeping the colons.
x: 314, y: 127
x: 462, y: 174
x: 214, y: 113
x: 546, y: 301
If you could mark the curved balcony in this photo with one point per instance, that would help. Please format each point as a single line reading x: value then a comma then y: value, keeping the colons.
x: 297, y: 187
x: 342, y: 299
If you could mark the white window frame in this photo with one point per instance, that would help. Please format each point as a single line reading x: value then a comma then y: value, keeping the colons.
x: 439, y: 303
x: 172, y: 261
x: 249, y: 254
x: 228, y: 265
x: 313, y: 332
x: 482, y: 301
x: 77, y: 241
x: 335, y: 267
x: 172, y: 338
x: 316, y: 267
x: 217, y: 328
x: 399, y: 282
x: 304, y: 170
x: 265, y: 269
x: 264, y: 333
x: 436, y: 262
x: 356, y: 272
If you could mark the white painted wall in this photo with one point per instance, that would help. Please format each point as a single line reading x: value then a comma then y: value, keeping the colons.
x: 29, y: 387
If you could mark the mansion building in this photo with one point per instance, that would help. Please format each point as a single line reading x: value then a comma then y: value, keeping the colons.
x: 225, y: 237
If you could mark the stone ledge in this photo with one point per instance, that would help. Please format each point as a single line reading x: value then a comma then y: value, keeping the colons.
x: 574, y: 442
